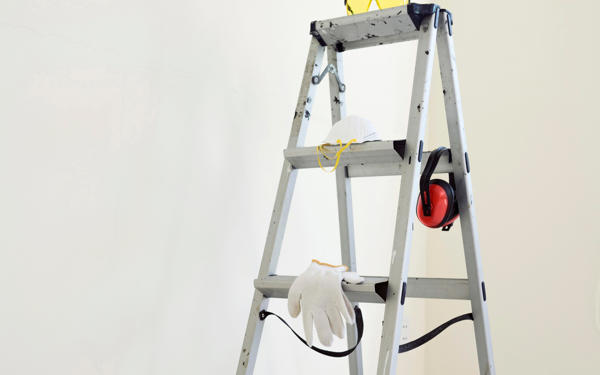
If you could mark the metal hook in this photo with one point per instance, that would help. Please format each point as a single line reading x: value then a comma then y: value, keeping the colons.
x: 329, y: 69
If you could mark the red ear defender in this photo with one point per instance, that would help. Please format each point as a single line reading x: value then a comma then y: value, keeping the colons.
x: 437, y: 206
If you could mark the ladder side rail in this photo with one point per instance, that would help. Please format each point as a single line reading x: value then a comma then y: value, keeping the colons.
x: 307, y: 92
x: 405, y: 217
x: 462, y: 177
x: 280, y: 212
x: 288, y: 173
x: 344, y: 197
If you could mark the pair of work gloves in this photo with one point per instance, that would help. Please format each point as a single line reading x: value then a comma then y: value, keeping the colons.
x: 318, y: 294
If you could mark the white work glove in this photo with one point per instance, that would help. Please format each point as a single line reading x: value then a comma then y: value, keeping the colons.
x: 318, y: 293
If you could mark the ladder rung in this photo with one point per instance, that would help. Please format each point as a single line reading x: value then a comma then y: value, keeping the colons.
x: 366, y: 29
x: 423, y: 287
x: 374, y: 289
x: 362, y: 153
x: 378, y: 158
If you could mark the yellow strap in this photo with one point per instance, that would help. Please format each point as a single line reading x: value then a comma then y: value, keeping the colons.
x: 322, y: 150
x: 329, y: 265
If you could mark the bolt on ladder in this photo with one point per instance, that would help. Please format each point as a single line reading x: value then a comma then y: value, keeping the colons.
x: 431, y: 26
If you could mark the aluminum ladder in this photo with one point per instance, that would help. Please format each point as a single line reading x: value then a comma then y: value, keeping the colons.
x: 431, y: 26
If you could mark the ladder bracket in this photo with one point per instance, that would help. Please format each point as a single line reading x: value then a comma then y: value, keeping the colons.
x: 419, y: 11
x: 483, y: 290
x: 381, y: 289
x: 315, y: 33
x: 400, y: 147
x: 450, y: 20
x: 329, y: 69
x: 403, y: 295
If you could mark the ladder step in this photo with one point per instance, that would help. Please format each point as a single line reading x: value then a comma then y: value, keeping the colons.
x: 370, y: 29
x: 361, y: 153
x: 377, y: 158
x: 374, y: 289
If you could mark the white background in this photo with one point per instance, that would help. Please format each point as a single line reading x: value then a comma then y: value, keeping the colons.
x: 140, y: 146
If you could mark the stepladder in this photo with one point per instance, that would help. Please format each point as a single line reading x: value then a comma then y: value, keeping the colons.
x: 431, y: 26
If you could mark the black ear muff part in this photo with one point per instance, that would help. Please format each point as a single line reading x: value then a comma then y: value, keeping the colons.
x: 432, y: 161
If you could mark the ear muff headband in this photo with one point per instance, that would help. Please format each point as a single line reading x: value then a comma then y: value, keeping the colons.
x: 432, y: 162
x: 454, y: 197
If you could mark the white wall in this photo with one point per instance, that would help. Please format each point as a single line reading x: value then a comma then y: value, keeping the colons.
x: 140, y: 146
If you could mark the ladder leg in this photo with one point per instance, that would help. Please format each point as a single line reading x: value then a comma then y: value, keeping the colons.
x: 344, y: 196
x: 461, y: 168
x: 281, y: 209
x: 390, y: 338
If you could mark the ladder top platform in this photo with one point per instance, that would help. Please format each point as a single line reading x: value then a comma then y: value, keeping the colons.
x: 373, y: 28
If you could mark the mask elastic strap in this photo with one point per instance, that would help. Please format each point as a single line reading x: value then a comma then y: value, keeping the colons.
x: 321, y: 150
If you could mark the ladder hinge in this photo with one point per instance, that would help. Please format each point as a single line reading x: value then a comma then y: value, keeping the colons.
x: 329, y: 69
x: 417, y: 12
